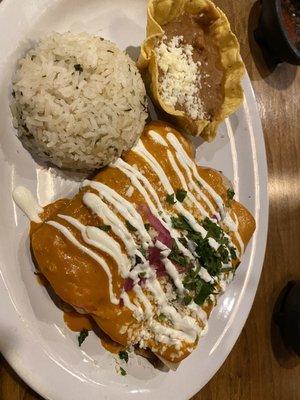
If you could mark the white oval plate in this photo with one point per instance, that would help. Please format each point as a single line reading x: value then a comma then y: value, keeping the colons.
x: 33, y: 337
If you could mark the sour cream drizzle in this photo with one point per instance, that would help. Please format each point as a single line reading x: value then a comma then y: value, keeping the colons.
x: 185, y: 328
x: 183, y: 156
x: 27, y: 203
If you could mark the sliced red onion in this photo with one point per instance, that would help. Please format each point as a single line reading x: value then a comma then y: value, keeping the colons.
x: 163, y: 233
x: 165, y: 239
x: 156, y: 262
x: 216, y: 217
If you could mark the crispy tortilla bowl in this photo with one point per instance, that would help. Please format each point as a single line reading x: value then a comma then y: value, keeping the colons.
x: 161, y: 12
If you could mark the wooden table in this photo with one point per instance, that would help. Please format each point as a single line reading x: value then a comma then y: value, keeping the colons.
x: 251, y: 372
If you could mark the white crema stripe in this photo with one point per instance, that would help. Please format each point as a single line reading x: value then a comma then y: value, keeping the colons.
x: 123, y: 206
x: 27, y: 203
x: 65, y: 231
x: 184, y: 156
x: 101, y: 240
x: 136, y: 177
x: 101, y: 209
x: 143, y: 152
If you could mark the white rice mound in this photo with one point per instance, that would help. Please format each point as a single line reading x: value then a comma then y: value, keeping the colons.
x: 78, y: 101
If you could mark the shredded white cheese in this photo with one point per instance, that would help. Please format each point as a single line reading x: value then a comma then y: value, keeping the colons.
x: 180, y: 79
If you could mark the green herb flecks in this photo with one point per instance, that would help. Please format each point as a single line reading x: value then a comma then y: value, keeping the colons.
x: 230, y: 194
x: 181, y: 223
x: 232, y: 253
x: 187, y: 300
x: 138, y: 259
x: 177, y: 257
x: 211, y: 259
x: 130, y: 227
x: 123, y: 355
x: 161, y: 317
x: 181, y: 195
x: 198, y: 289
x: 105, y: 228
x: 123, y: 372
x: 78, y: 68
x: 147, y: 226
x: 213, y: 229
x: 208, y: 257
x: 84, y: 333
x: 171, y: 198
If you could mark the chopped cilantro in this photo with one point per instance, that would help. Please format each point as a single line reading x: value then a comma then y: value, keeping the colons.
x: 181, y: 195
x: 171, y: 198
x: 78, y: 67
x: 208, y: 257
x: 130, y: 227
x: 203, y: 292
x: 198, y: 289
x: 143, y: 251
x: 142, y: 274
x: 181, y: 223
x: 183, y: 241
x: 212, y: 229
x: 123, y: 372
x: 123, y: 355
x: 161, y: 317
x: 105, y: 228
x: 199, y: 184
x: 232, y: 253
x: 230, y: 193
x: 177, y: 257
x: 84, y: 333
x: 147, y: 226
x: 138, y: 259
x: 187, y: 300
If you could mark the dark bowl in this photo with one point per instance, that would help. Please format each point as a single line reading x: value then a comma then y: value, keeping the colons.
x: 273, y: 34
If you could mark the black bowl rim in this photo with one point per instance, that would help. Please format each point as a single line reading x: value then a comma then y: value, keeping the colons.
x: 284, y: 31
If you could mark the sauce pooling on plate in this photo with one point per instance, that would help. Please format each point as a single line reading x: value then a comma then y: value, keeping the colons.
x: 146, y: 246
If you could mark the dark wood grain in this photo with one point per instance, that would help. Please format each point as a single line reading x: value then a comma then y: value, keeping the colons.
x: 251, y: 372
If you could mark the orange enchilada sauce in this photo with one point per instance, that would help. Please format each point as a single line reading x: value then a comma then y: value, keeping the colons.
x: 80, y: 281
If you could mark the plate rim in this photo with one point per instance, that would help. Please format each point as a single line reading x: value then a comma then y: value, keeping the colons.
x: 48, y: 391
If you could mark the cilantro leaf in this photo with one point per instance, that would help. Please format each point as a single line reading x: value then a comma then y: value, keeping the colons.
x: 147, y: 226
x: 130, y: 227
x: 187, y: 300
x: 232, y: 253
x: 161, y: 317
x: 123, y: 372
x: 198, y: 289
x: 84, y: 333
x: 171, y: 198
x: 177, y: 257
x: 230, y: 194
x: 105, y: 228
x: 203, y: 292
x: 181, y: 223
x: 123, y: 355
x: 181, y: 195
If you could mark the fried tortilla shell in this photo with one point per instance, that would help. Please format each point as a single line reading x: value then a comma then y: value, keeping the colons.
x: 161, y: 12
